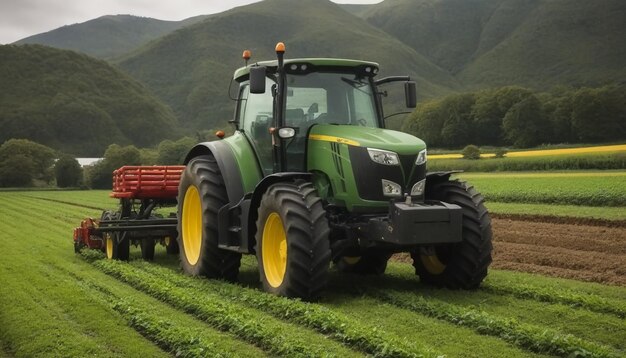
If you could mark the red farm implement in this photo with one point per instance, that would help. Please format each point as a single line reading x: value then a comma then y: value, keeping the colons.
x: 140, y: 190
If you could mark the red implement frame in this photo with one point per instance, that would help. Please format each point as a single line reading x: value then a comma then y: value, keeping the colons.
x: 146, y: 182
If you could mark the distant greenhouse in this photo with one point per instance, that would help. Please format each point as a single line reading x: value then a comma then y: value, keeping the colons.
x: 87, y: 161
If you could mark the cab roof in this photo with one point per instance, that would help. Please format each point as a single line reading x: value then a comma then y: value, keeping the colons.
x: 313, y: 64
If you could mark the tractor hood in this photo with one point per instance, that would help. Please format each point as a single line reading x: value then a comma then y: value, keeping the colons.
x: 387, y: 139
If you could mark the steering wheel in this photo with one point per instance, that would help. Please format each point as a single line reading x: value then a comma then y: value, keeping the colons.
x: 362, y: 122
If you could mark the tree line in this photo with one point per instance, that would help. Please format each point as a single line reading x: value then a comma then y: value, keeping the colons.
x: 24, y: 163
x: 516, y: 116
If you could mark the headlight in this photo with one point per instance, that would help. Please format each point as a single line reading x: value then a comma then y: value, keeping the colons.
x: 418, y: 188
x: 383, y: 156
x: 421, y: 157
x: 391, y: 189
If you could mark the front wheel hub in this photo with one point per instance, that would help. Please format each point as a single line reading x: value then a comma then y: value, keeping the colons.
x: 274, y: 250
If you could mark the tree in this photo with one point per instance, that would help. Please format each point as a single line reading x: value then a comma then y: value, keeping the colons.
x: 68, y: 172
x: 457, y: 127
x: 525, y: 123
x: 171, y: 153
x: 17, y: 171
x: 40, y: 157
x: 426, y: 122
x: 99, y: 175
x: 490, y: 109
x: 599, y: 115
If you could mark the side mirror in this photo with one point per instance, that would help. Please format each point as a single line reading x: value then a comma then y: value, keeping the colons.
x: 257, y: 79
x: 410, y: 94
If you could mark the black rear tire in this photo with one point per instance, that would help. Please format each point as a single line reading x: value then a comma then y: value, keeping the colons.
x: 203, y: 180
x: 370, y: 263
x: 295, y: 212
x: 461, y: 265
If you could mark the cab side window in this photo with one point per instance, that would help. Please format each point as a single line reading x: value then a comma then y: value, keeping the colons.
x: 255, y: 116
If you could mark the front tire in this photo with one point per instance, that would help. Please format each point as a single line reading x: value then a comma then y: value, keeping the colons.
x: 293, y: 249
x: 461, y: 265
x: 201, y: 194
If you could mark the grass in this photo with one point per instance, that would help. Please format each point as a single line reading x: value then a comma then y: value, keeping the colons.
x: 58, y: 304
x: 600, y: 189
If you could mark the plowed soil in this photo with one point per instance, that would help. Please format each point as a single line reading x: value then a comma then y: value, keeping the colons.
x: 581, y: 252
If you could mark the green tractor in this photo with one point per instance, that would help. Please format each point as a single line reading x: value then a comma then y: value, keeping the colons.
x: 311, y: 177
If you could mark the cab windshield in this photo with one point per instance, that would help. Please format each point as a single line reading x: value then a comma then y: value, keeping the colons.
x: 329, y: 98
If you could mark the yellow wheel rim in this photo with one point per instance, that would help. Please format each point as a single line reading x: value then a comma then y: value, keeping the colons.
x: 351, y: 260
x: 192, y: 224
x: 432, y: 264
x: 109, y: 246
x: 274, y: 250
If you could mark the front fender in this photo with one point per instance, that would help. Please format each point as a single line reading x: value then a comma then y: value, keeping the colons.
x: 227, y: 163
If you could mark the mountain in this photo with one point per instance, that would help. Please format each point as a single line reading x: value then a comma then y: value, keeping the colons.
x: 534, y: 43
x: 190, y: 69
x: 75, y: 103
x: 108, y: 36
x: 357, y: 9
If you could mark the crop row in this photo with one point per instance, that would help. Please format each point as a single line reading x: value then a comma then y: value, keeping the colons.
x: 525, y: 336
x: 598, y: 161
x: 181, y: 342
x: 592, y: 190
x: 530, y: 337
x: 544, y: 152
x: 590, y: 302
x: 217, y: 308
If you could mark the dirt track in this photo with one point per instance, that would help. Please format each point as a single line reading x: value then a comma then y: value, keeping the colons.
x: 586, y: 252
x: 582, y: 252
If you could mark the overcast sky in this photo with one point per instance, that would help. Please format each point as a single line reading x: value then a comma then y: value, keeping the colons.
x: 23, y: 18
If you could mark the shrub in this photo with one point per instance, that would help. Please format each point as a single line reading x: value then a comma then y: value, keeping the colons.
x: 471, y: 152
x: 68, y: 172
x: 500, y: 152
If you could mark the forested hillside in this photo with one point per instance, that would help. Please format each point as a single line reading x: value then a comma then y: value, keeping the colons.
x: 535, y: 43
x: 74, y: 103
x: 190, y: 69
x: 448, y: 46
x: 108, y: 36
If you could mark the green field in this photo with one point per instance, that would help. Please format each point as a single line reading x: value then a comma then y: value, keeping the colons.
x: 58, y: 303
x: 577, y: 194
x: 592, y: 161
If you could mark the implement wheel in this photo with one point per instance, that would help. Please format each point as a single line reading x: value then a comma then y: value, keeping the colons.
x: 147, y: 249
x: 292, y: 241
x: 461, y: 265
x: 201, y: 194
x: 171, y: 245
x: 116, y: 244
x: 370, y: 263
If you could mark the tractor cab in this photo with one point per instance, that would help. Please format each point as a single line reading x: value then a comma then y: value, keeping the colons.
x: 280, y: 102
